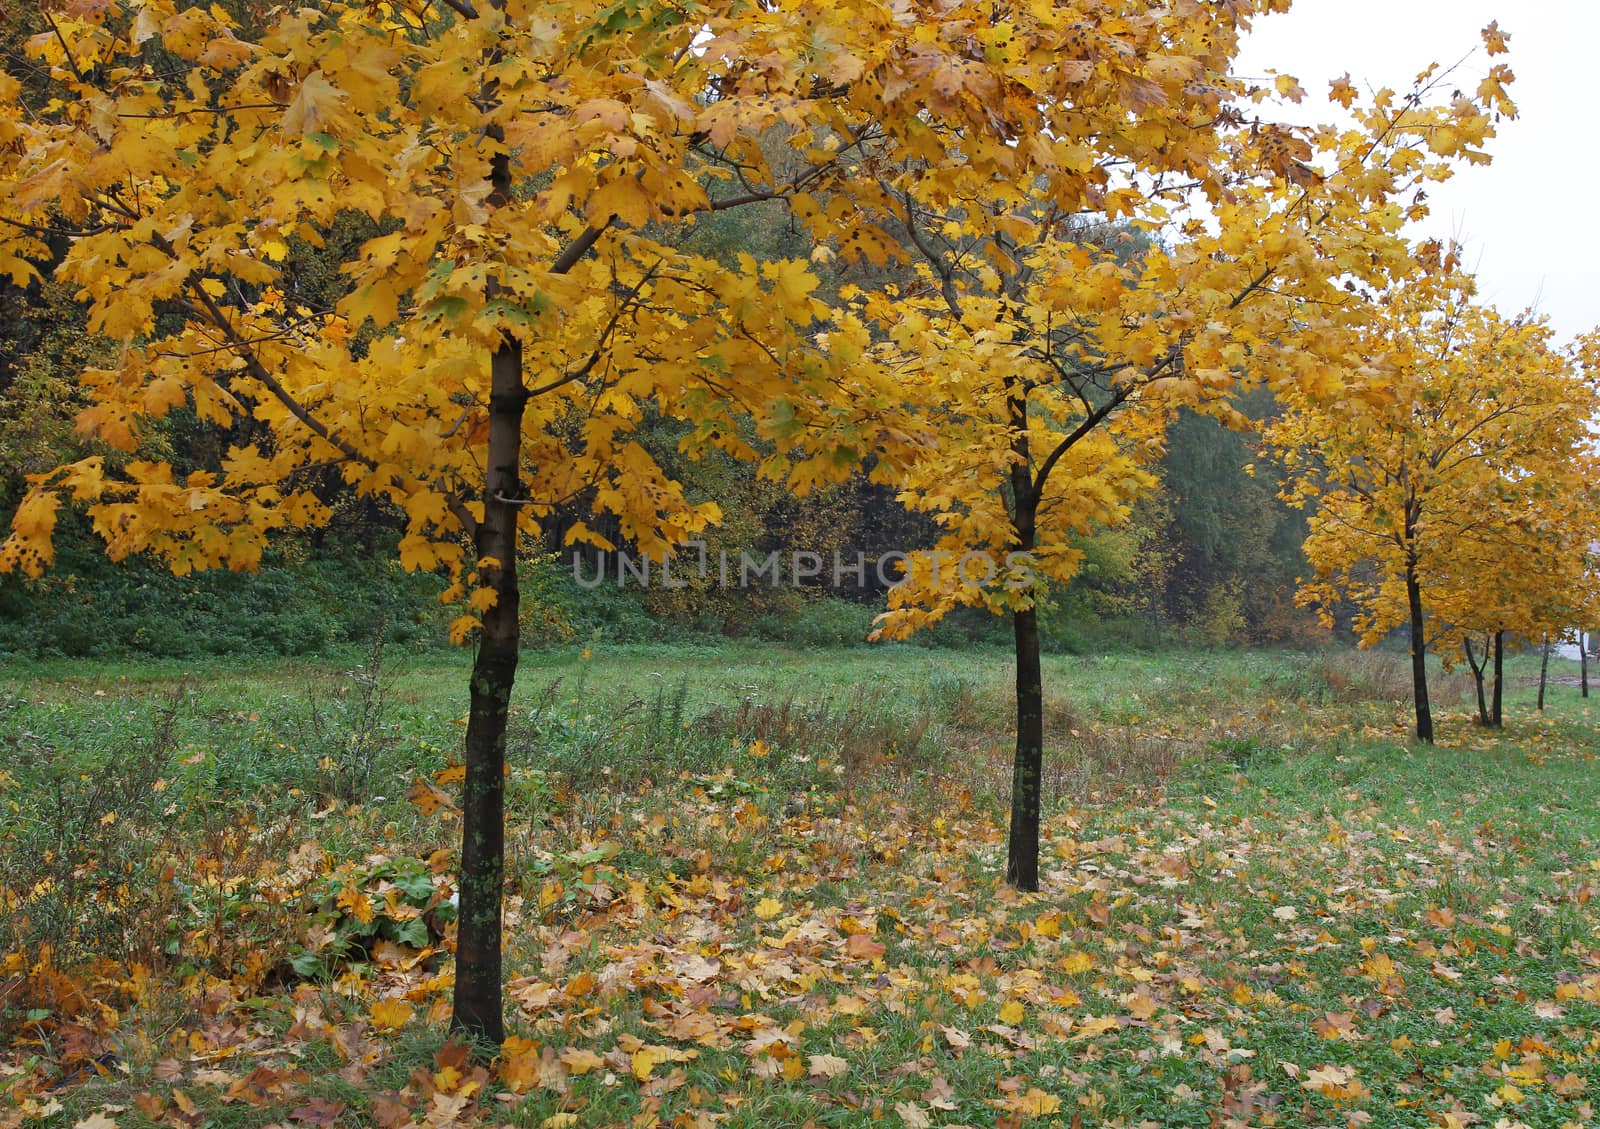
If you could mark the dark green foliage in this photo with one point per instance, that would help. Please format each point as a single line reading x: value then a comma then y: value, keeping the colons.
x: 821, y: 622
x: 1235, y: 547
x: 88, y: 606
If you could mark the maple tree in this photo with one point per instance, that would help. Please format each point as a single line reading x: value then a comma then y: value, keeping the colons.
x: 1048, y: 361
x: 1525, y: 572
x: 1442, y: 498
x: 518, y: 308
x: 1529, y: 573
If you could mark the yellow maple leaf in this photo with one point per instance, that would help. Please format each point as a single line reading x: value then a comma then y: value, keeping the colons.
x: 623, y: 198
x: 580, y: 1061
x: 1141, y: 1005
x: 912, y: 1115
x: 428, y: 799
x: 1034, y: 1103
x: 453, y: 774
x: 644, y: 1060
x: 357, y: 903
x: 390, y: 1014
x: 95, y: 1121
x: 519, y: 1064
x: 315, y: 107
x: 1074, y: 964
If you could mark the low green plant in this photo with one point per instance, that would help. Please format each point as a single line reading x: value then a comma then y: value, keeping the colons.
x: 400, y: 900
x: 350, y: 732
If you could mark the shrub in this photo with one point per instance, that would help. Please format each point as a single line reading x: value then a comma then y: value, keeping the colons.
x: 821, y: 622
x: 1221, y: 619
x: 295, y: 605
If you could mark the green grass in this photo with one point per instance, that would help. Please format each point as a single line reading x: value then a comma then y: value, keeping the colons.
x: 1251, y: 874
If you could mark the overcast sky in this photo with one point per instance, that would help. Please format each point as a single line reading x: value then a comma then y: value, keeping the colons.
x: 1529, y: 220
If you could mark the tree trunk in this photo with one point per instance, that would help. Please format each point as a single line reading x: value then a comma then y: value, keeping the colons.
x: 1022, y: 859
x: 1477, y: 676
x: 1027, y: 767
x: 1544, y: 669
x: 1583, y: 662
x: 1419, y: 659
x: 477, y: 1009
x: 477, y: 1004
x: 1499, y: 669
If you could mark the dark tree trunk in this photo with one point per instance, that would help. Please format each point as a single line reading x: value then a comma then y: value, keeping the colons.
x: 1583, y: 662
x: 1477, y: 676
x: 477, y: 1005
x: 1022, y: 858
x: 1419, y: 658
x: 1499, y: 669
x: 1544, y: 669
x: 1027, y: 766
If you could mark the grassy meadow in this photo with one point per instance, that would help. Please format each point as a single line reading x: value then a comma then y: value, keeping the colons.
x: 751, y: 886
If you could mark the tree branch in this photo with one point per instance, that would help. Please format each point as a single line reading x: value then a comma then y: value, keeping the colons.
x: 579, y: 247
x: 77, y: 72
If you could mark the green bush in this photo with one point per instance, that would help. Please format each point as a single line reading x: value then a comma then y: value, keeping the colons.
x: 88, y: 606
x: 557, y: 609
x: 821, y: 622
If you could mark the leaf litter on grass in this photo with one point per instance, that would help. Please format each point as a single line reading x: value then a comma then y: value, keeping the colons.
x: 1354, y: 934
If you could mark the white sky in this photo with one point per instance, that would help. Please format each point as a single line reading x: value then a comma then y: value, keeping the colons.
x: 1528, y: 221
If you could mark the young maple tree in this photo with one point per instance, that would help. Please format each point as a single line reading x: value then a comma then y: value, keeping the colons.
x: 1437, y: 490
x: 1524, y: 571
x: 519, y: 306
x: 1048, y: 364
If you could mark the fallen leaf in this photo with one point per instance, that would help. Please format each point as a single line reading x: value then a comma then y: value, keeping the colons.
x: 826, y: 1066
x: 391, y: 1014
